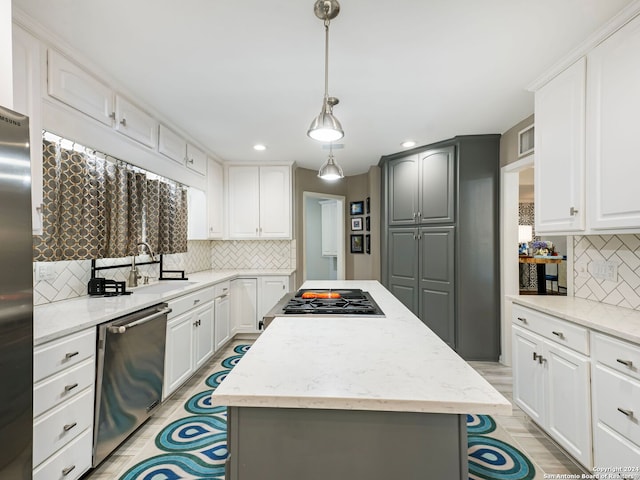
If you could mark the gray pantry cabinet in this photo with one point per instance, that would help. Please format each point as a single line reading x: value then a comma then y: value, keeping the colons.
x: 440, y: 239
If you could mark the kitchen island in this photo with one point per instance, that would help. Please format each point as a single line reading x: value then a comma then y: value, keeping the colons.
x: 352, y: 397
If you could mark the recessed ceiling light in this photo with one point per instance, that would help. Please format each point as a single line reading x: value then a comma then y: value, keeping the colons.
x: 259, y: 147
x: 408, y: 144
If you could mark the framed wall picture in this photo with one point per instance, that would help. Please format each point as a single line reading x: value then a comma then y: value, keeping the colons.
x: 356, y: 224
x: 356, y: 208
x: 368, y: 205
x: 357, y: 243
x: 367, y: 244
x: 367, y: 223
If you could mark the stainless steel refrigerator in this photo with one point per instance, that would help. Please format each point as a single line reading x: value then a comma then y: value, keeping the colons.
x: 16, y: 298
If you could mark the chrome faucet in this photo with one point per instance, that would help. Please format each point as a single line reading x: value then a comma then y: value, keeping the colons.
x: 133, y: 273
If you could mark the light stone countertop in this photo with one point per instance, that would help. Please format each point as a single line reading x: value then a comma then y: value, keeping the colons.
x: 617, y: 321
x: 57, y: 319
x: 394, y: 363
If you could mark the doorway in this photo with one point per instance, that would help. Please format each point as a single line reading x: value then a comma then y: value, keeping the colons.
x: 323, y: 236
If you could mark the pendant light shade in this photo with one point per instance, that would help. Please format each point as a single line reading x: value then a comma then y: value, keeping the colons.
x: 330, y: 170
x: 325, y: 127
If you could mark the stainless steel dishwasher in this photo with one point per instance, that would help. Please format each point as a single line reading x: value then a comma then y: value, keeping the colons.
x: 129, y: 376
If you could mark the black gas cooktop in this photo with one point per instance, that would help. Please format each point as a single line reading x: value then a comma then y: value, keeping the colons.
x: 332, y: 302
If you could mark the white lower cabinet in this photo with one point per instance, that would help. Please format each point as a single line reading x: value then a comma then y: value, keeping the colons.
x: 63, y: 406
x: 270, y: 290
x: 222, y: 315
x: 244, y: 301
x: 616, y: 405
x: 190, y: 334
x: 551, y: 381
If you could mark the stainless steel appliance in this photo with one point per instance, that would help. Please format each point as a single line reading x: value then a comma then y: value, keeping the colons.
x: 16, y: 298
x: 342, y: 302
x: 130, y: 372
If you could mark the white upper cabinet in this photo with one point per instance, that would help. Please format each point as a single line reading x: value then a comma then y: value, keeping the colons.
x: 172, y: 145
x: 196, y: 160
x: 259, y: 202
x: 135, y: 123
x: 559, y: 152
x: 197, y: 219
x: 613, y: 103
x: 70, y: 84
x: 215, y: 199
x: 26, y: 99
x: 275, y: 202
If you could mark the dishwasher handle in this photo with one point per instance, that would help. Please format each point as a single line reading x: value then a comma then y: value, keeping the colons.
x: 123, y: 328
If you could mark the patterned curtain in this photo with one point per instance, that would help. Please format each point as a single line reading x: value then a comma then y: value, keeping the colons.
x: 98, y: 208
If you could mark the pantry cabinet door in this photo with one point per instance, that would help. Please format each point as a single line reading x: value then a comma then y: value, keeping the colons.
x: 559, y: 155
x: 612, y: 120
x: 402, y: 186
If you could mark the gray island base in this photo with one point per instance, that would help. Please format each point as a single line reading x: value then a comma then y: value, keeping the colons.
x: 317, y: 444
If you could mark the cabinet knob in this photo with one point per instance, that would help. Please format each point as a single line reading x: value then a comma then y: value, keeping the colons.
x: 573, y: 211
x: 112, y: 115
x: 68, y: 470
x: 190, y: 160
x: 123, y: 122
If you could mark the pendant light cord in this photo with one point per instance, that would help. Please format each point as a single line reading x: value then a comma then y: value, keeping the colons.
x: 326, y: 59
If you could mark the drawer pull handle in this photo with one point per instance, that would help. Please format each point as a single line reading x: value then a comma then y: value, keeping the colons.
x: 69, y: 426
x: 70, y: 387
x: 522, y: 319
x: 196, y: 301
x: 68, y: 470
x: 628, y: 413
x: 558, y: 334
x: 71, y: 355
x: 626, y: 363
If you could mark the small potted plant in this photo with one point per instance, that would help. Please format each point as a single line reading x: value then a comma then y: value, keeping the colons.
x: 543, y: 247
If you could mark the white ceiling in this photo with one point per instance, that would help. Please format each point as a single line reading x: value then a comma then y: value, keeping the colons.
x: 236, y: 73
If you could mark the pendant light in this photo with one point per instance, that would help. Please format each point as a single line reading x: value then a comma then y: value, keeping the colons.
x: 330, y: 170
x: 325, y: 127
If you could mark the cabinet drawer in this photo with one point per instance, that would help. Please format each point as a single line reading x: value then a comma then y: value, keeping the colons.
x: 617, y: 401
x: 220, y: 289
x: 618, y: 355
x: 615, y: 453
x: 185, y: 303
x: 55, y: 356
x: 54, y: 390
x: 58, y: 427
x: 560, y: 331
x: 75, y: 459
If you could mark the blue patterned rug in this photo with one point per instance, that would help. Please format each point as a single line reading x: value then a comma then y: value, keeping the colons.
x: 193, y: 444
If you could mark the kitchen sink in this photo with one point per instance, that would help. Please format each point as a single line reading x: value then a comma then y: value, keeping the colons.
x: 163, y: 287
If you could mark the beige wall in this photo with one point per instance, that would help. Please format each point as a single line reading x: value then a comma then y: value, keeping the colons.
x: 509, y: 142
x: 6, y: 63
x: 354, y: 188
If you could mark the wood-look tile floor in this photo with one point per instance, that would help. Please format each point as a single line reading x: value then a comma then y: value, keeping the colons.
x: 531, y: 440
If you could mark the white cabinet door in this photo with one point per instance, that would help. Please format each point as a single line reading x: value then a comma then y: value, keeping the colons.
x: 560, y: 152
x: 270, y: 290
x: 26, y: 99
x: 203, y: 333
x: 70, y: 84
x: 222, y: 319
x: 244, y: 202
x: 329, y: 230
x: 568, y: 400
x: 172, y: 145
x: 244, y: 298
x: 215, y: 199
x: 178, y: 364
x: 197, y: 214
x: 196, y: 159
x: 135, y: 123
x: 612, y: 120
x: 528, y: 376
x: 275, y: 202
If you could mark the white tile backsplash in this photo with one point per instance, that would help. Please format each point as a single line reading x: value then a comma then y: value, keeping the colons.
x: 253, y: 254
x: 622, y: 250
